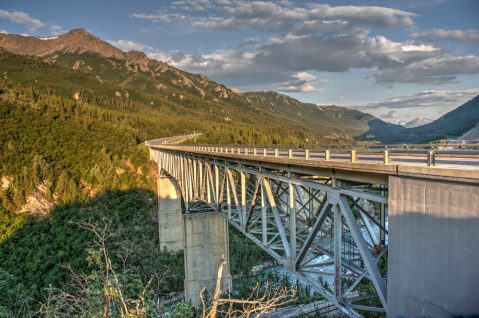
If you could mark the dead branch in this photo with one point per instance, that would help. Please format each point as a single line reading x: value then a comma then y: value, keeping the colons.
x: 257, y: 304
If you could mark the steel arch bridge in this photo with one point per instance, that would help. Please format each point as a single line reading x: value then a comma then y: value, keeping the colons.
x: 330, y: 233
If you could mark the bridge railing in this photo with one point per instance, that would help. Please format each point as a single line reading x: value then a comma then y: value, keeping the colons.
x: 428, y: 157
x: 341, y: 146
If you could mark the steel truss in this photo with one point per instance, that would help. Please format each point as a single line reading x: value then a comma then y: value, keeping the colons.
x: 332, y: 235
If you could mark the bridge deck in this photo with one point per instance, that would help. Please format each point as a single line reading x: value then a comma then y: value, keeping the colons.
x: 354, y: 164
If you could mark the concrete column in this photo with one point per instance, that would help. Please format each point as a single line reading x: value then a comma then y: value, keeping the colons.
x: 433, y: 267
x: 170, y: 216
x: 206, y: 242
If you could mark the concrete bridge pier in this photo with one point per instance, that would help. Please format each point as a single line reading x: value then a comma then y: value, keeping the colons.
x: 206, y: 244
x: 170, y: 216
x: 433, y: 267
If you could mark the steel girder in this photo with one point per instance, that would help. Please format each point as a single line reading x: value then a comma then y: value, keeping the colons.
x: 330, y: 234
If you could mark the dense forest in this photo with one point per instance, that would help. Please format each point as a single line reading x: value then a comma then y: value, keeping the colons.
x: 149, y: 115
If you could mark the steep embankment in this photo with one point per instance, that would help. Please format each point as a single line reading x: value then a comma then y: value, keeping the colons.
x: 472, y: 134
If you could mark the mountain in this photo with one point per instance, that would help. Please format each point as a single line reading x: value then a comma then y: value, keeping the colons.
x: 76, y: 41
x: 338, y: 120
x: 397, y: 122
x: 452, y: 125
x: 107, y: 72
x: 417, y: 122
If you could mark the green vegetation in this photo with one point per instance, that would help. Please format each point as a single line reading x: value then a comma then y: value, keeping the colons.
x: 10, y: 222
x: 62, y: 151
x: 246, y: 254
x: 149, y: 115
x: 87, y: 161
x: 43, y: 251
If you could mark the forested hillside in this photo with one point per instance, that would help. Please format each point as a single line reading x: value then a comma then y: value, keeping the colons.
x: 152, y: 116
x: 68, y: 163
x: 88, y: 165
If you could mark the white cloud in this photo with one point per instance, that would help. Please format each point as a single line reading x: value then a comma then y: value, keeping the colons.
x: 307, y: 37
x: 159, y: 17
x: 286, y: 62
x: 21, y: 17
x: 424, y: 104
x: 434, y: 70
x: 389, y: 115
x: 192, y: 5
x: 462, y: 36
x: 424, y: 99
x: 300, y: 82
x: 378, y: 16
x: 151, y: 52
x: 56, y: 29
x: 305, y: 76
x: 419, y: 48
x: 127, y: 45
x: 278, y: 16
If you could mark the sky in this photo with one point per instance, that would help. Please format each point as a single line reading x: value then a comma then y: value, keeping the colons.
x: 397, y: 60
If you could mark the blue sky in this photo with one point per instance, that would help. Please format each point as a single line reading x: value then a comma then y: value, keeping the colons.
x: 395, y: 59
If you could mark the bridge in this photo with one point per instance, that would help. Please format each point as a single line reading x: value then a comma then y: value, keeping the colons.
x: 388, y: 229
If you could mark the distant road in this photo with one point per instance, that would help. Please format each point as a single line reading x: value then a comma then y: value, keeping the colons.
x: 171, y: 140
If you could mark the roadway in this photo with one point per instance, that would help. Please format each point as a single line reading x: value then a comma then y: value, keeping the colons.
x: 444, y: 163
x: 171, y: 140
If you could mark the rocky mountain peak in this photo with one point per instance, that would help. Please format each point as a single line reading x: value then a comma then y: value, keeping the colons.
x: 416, y: 122
x: 77, y: 33
x: 136, y: 56
x: 74, y: 41
x: 80, y: 40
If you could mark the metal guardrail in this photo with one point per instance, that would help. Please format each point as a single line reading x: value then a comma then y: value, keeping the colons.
x: 427, y: 157
x: 339, y: 146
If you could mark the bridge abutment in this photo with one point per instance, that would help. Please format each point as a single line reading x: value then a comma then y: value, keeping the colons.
x: 170, y: 216
x: 433, y: 248
x: 206, y: 244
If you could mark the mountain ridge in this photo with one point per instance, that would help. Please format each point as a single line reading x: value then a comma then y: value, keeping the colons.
x: 453, y: 123
x: 74, y: 41
x: 418, y: 121
x: 151, y: 81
